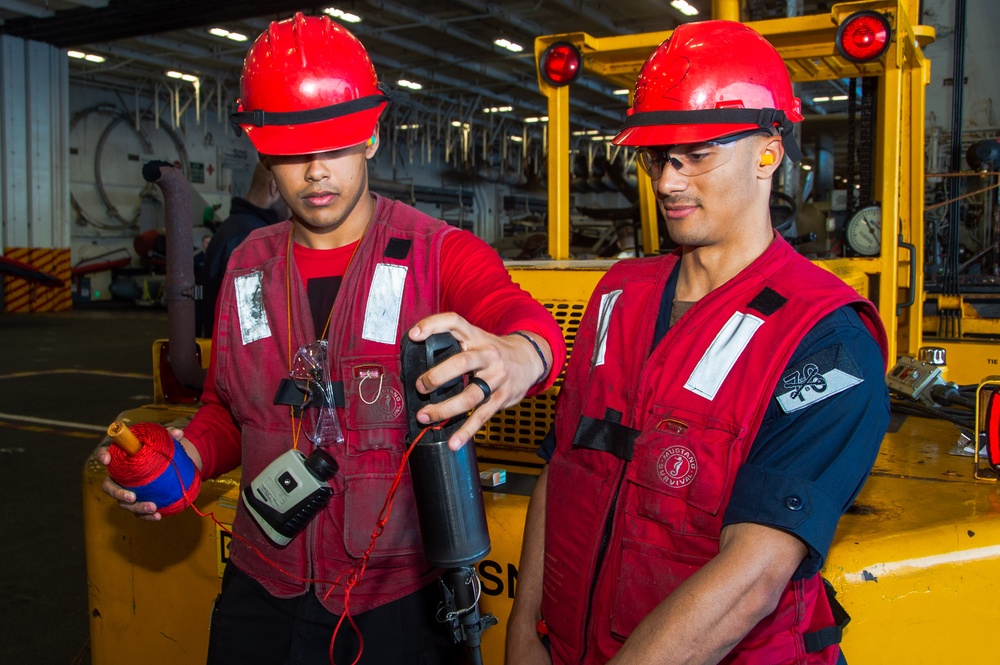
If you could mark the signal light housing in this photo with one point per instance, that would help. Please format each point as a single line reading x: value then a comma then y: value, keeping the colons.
x: 864, y: 36
x: 992, y: 429
x: 561, y: 64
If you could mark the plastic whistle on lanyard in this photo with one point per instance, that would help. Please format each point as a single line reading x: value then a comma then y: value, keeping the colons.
x: 448, y: 494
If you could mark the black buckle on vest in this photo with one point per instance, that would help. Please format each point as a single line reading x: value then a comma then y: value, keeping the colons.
x: 824, y: 637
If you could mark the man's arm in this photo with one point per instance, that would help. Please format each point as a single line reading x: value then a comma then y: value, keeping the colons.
x: 483, y: 308
x: 716, y: 607
x: 523, y: 646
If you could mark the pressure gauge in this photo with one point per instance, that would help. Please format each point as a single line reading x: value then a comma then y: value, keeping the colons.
x: 864, y: 231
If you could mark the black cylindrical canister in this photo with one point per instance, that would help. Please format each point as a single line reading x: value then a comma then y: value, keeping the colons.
x: 449, y: 503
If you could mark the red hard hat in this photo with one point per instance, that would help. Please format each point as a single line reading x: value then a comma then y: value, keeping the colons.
x: 708, y: 80
x: 308, y: 86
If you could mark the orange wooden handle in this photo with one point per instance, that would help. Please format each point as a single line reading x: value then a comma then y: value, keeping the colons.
x: 124, y: 438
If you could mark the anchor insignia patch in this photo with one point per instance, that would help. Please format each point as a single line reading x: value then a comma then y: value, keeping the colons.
x: 819, y: 376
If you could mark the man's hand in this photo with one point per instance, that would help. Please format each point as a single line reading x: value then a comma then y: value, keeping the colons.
x: 509, y: 365
x: 126, y: 499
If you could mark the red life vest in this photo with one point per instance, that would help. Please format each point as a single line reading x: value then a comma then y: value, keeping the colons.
x: 392, y: 282
x: 649, y: 442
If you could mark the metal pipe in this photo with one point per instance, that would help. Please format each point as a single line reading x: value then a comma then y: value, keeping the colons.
x: 958, y: 90
x: 180, y: 272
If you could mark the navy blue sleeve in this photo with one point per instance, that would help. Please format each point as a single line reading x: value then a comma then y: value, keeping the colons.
x: 547, y: 448
x: 819, y: 438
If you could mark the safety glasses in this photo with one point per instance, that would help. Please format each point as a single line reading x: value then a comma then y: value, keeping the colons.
x: 691, y: 159
x: 311, y: 373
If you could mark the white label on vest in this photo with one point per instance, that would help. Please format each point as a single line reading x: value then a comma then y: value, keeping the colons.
x: 608, y: 301
x: 727, y: 347
x: 384, y: 302
x: 250, y: 305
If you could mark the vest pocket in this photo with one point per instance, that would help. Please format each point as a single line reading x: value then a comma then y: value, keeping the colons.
x: 363, y: 501
x: 682, y: 471
x: 373, y: 394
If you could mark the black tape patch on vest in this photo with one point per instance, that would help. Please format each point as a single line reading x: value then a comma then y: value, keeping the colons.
x: 291, y: 394
x: 398, y: 248
x: 607, y: 436
x: 768, y: 301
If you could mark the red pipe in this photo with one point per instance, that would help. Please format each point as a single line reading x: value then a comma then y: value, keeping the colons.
x: 88, y: 268
x: 180, y: 272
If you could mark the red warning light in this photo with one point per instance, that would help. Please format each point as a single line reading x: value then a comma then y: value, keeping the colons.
x: 864, y: 36
x: 561, y: 64
x: 992, y: 429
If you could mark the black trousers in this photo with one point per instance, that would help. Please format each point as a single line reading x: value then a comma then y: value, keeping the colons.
x: 250, y: 626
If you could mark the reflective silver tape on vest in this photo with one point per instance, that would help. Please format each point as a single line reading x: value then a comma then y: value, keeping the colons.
x: 608, y: 301
x: 727, y: 347
x: 250, y: 305
x: 385, y: 298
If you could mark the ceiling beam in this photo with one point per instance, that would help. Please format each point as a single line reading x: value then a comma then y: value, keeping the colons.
x: 122, y: 19
x: 26, y: 8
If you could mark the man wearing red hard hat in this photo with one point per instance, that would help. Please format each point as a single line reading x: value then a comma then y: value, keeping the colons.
x: 722, y: 407
x: 335, y: 288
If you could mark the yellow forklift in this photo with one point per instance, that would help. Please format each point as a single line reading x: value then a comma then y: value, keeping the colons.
x: 917, y: 555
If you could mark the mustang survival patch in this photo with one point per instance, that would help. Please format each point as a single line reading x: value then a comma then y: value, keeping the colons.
x: 819, y: 376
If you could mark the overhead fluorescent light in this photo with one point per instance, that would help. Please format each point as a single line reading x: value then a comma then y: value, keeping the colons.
x: 228, y: 34
x: 191, y: 78
x: 509, y: 45
x: 458, y: 123
x: 89, y: 57
x: 412, y: 85
x: 820, y: 100
x: 684, y: 8
x: 516, y: 139
x: 839, y: 98
x: 347, y: 17
x: 543, y: 118
x: 498, y: 109
x: 806, y: 167
x: 622, y: 91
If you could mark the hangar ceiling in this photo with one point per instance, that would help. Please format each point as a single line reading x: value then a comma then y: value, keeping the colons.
x: 446, y: 46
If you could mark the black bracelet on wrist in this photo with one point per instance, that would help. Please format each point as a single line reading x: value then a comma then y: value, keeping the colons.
x: 545, y: 365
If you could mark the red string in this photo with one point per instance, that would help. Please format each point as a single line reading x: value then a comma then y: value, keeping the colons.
x: 144, y: 467
x: 137, y: 471
x: 358, y: 571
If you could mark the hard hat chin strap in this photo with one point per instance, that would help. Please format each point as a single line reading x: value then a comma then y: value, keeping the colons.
x: 763, y: 118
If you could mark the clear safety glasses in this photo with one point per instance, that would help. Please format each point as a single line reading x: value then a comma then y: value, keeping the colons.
x: 311, y: 374
x: 691, y: 159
